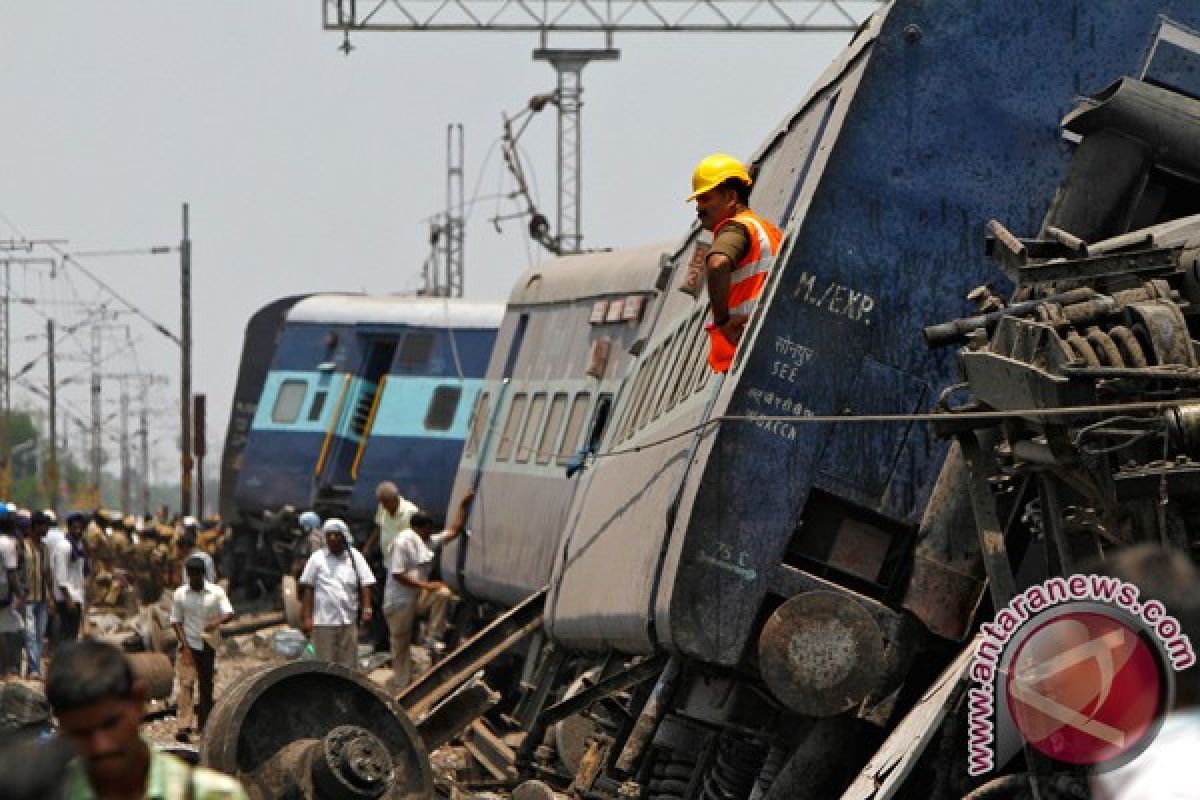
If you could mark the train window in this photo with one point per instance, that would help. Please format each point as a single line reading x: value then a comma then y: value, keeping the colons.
x: 652, y: 370
x: 570, y: 441
x: 660, y: 366
x: 685, y: 362
x: 479, y: 422
x: 516, y: 412
x: 697, y: 360
x: 671, y: 369
x: 623, y: 430
x: 415, y: 350
x: 554, y: 421
x: 318, y: 405
x: 599, y: 421
x: 442, y: 407
x: 532, y: 425
x: 288, y: 402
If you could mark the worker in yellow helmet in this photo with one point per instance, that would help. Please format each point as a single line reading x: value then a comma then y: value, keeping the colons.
x: 744, y: 247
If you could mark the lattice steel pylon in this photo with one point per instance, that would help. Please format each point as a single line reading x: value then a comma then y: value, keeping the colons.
x: 569, y: 65
x: 455, y: 224
x: 606, y: 17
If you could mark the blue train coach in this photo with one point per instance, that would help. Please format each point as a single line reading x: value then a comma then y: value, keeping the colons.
x: 364, y: 388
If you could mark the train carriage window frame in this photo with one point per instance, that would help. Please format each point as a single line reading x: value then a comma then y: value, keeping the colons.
x: 638, y: 398
x: 600, y: 419
x: 533, y: 425
x: 415, y: 350
x: 512, y: 426
x: 571, y: 440
x: 687, y: 361
x: 699, y: 359
x: 443, y: 407
x: 480, y: 416
x: 666, y: 390
x: 556, y: 415
x: 289, y: 399
x: 318, y: 405
x: 645, y: 413
x: 629, y: 410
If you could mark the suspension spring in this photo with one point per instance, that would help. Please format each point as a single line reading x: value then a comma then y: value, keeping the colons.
x: 1116, y: 347
x: 670, y: 776
x: 734, y: 768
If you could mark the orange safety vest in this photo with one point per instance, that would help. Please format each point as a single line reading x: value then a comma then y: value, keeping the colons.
x: 746, y: 283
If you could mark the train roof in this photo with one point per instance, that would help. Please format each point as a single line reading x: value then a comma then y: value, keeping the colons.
x: 385, y: 309
x: 569, y: 278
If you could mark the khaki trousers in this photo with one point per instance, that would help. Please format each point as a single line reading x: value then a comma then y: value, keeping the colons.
x: 336, y: 643
x: 401, y: 621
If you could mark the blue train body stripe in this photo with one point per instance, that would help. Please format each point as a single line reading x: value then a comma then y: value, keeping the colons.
x: 402, y: 408
x: 263, y: 420
x: 405, y: 403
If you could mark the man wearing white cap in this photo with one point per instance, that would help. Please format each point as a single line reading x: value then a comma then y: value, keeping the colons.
x: 188, y: 545
x: 335, y: 588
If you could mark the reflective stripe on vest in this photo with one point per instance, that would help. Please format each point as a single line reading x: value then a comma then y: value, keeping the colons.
x: 748, y: 278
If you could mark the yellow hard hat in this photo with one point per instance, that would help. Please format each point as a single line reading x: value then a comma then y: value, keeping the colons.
x: 714, y: 170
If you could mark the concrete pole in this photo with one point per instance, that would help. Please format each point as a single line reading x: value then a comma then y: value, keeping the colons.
x: 185, y: 379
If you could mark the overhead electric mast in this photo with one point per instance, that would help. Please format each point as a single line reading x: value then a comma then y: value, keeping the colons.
x: 606, y: 17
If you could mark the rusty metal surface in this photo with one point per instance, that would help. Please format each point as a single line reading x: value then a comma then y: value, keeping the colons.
x: 947, y: 577
x: 272, y: 730
x: 821, y: 653
x: 454, y: 714
x: 457, y: 667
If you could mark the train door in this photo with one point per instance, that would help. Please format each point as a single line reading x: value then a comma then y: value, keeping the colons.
x: 349, y: 425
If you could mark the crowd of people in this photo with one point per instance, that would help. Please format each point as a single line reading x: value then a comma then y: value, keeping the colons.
x: 53, y: 574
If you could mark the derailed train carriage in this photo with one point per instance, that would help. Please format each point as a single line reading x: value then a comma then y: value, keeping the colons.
x: 763, y: 594
x: 360, y: 388
x: 740, y: 602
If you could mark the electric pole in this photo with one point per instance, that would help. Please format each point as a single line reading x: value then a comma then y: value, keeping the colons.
x: 199, y: 447
x: 144, y: 441
x: 126, y: 498
x: 96, y: 451
x: 52, y: 422
x: 569, y: 64
x: 185, y: 381
x: 454, y: 211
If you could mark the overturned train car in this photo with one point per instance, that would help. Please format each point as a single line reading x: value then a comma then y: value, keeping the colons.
x: 361, y: 388
x: 753, y: 591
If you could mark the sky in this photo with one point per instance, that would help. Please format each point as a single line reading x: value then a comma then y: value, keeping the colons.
x: 308, y: 170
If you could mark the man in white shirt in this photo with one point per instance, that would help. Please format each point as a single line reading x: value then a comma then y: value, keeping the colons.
x: 392, y: 515
x: 335, y: 584
x: 69, y: 568
x: 409, y: 591
x: 198, y: 609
